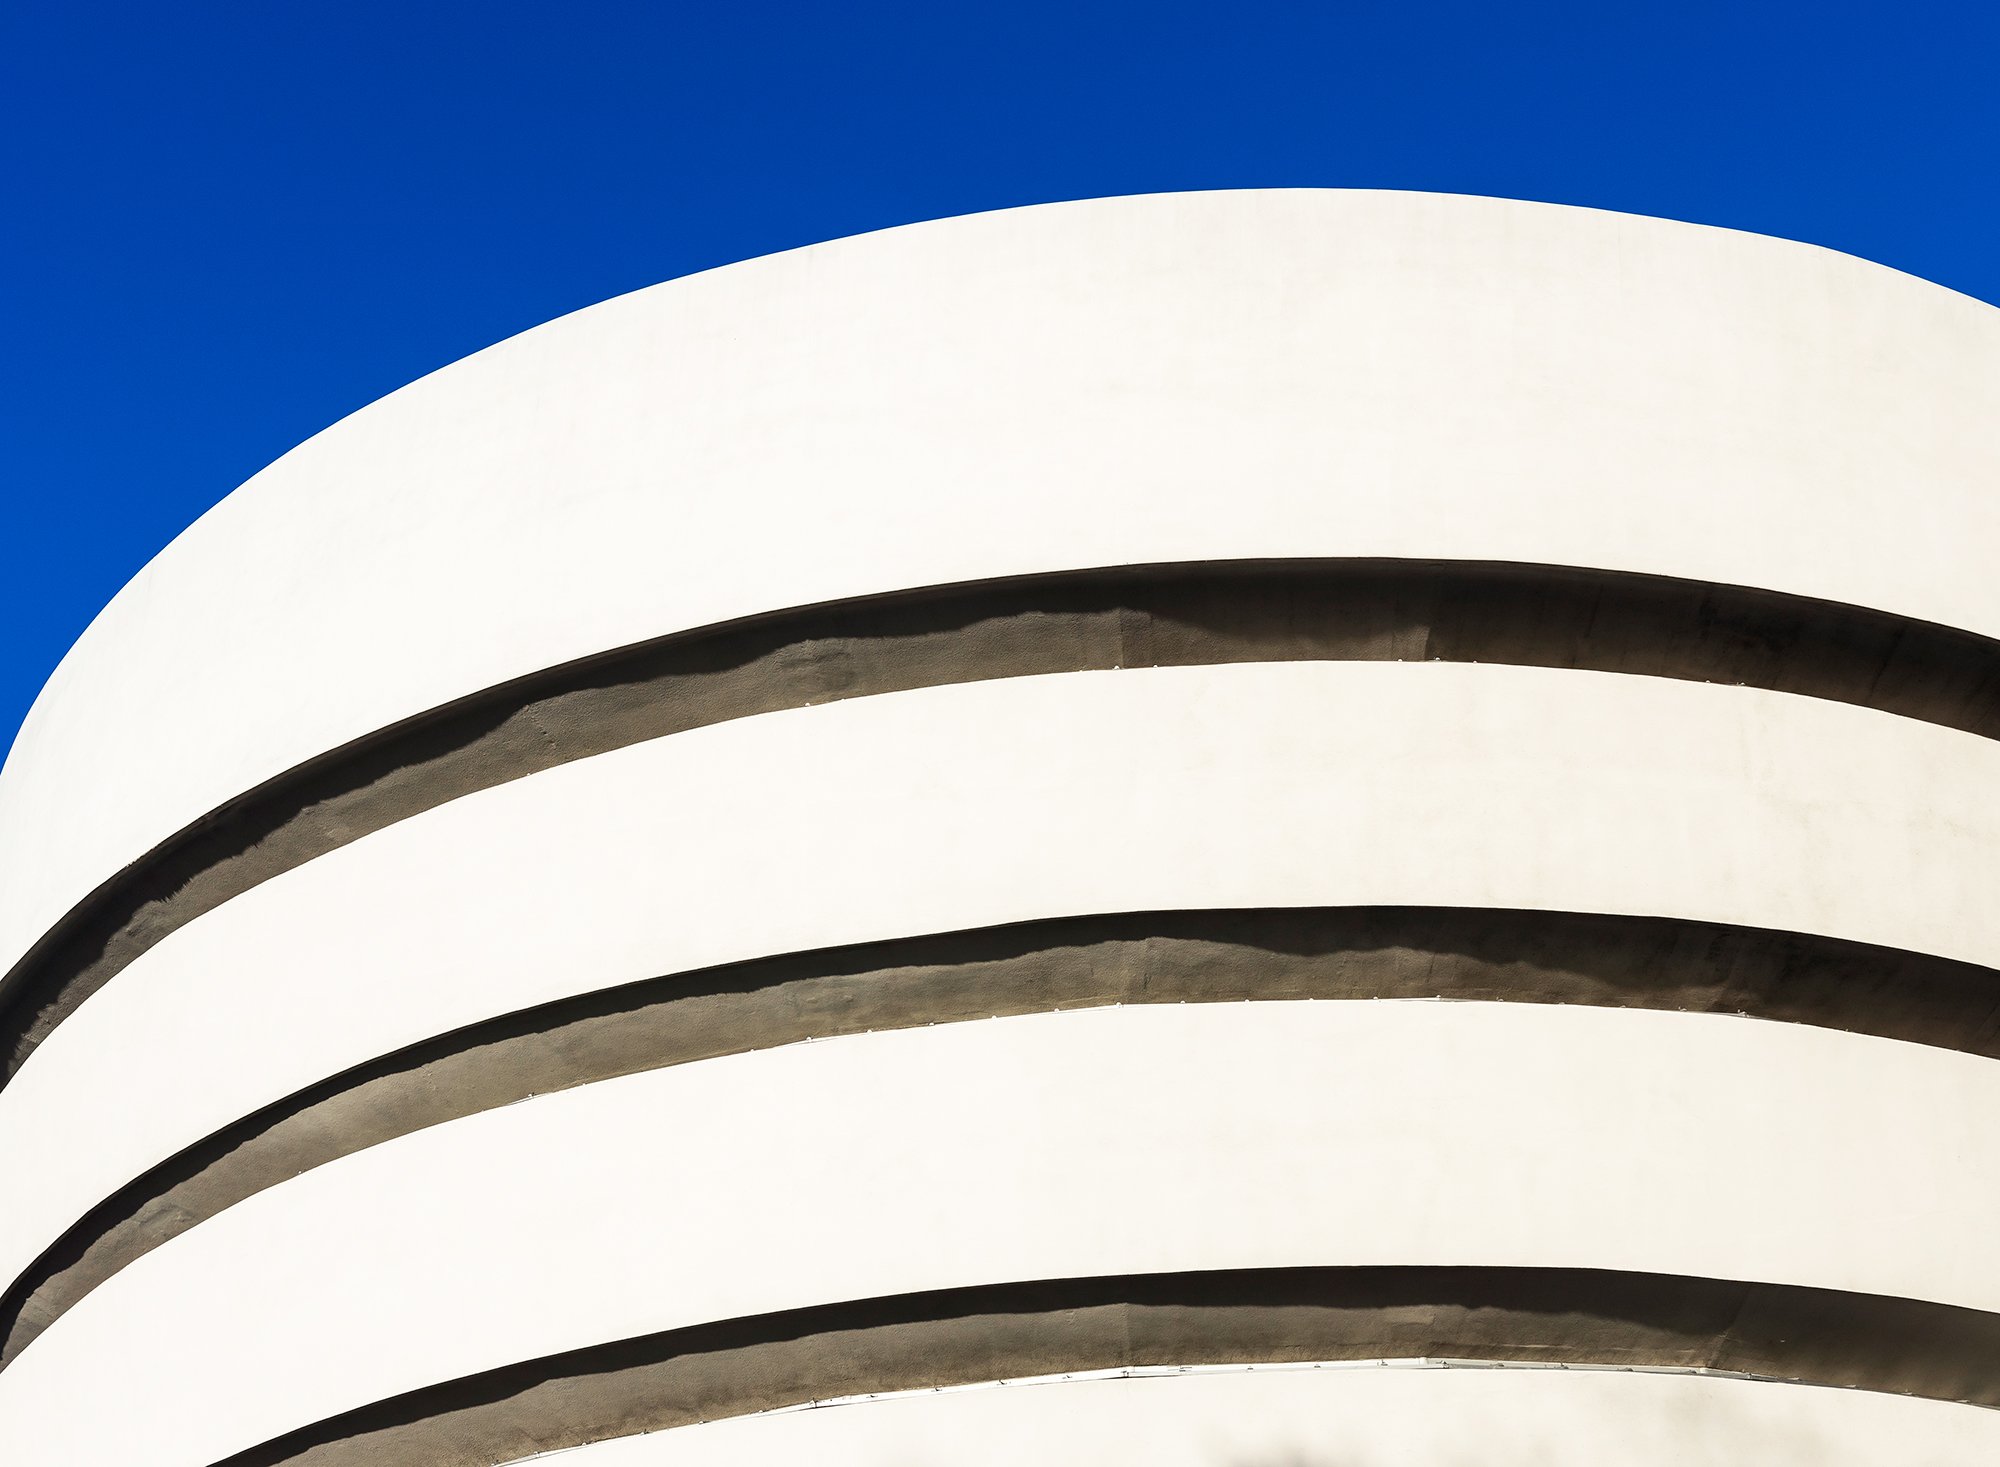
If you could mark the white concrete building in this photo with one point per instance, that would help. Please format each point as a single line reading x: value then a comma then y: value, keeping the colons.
x: 1227, y: 830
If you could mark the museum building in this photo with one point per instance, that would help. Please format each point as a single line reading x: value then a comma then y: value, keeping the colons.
x: 1266, y: 829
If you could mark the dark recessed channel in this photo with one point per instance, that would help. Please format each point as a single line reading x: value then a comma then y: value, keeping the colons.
x: 1572, y: 1317
x: 1132, y: 958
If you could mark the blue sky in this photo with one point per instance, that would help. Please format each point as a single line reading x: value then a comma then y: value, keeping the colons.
x: 228, y: 225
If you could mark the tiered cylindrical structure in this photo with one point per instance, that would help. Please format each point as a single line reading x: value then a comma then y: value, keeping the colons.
x: 1226, y: 829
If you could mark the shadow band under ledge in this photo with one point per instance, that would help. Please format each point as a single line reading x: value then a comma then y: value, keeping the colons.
x: 1147, y: 616
x: 1221, y: 956
x: 965, y: 1336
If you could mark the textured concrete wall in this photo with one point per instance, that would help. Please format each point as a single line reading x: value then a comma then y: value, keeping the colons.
x: 1230, y: 780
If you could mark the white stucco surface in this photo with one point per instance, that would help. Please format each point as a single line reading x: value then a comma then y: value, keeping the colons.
x: 1168, y: 378
x: 1287, y: 784
x: 1347, y: 1417
x: 1126, y: 1140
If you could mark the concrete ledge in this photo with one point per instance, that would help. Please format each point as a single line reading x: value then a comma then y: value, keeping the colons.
x: 1115, y: 382
x: 1140, y: 1138
x: 975, y: 805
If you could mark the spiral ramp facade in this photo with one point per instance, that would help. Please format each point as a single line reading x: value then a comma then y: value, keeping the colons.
x: 1241, y: 830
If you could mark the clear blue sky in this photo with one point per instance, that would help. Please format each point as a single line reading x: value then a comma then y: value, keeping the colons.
x: 228, y: 225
